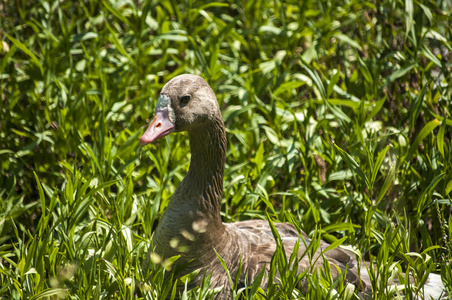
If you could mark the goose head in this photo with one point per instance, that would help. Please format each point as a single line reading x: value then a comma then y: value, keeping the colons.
x: 185, y: 103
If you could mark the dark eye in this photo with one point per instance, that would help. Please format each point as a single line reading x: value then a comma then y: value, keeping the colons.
x: 184, y: 99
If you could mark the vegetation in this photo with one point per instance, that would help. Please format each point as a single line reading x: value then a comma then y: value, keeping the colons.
x: 338, y: 115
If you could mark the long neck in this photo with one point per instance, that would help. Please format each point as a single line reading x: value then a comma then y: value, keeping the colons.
x: 208, y: 154
x: 193, y: 214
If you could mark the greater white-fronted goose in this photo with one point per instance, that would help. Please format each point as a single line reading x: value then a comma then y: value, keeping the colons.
x: 191, y: 225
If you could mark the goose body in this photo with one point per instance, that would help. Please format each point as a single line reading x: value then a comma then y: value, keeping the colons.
x: 191, y: 225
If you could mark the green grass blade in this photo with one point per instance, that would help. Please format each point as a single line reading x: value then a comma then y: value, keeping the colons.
x: 426, y: 130
x: 352, y: 164
x: 27, y: 51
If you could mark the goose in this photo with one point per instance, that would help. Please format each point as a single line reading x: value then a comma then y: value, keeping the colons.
x: 191, y: 226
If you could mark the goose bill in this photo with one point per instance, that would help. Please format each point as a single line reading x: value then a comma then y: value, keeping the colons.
x: 161, y: 126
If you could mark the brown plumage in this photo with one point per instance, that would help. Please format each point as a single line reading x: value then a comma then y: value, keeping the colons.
x: 191, y: 225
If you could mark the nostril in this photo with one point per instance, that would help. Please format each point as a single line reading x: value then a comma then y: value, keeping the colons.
x: 158, y: 125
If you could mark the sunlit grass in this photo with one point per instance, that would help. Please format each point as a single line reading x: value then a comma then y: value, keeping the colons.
x: 338, y: 117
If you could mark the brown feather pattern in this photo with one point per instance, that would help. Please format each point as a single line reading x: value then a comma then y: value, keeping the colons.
x: 191, y: 225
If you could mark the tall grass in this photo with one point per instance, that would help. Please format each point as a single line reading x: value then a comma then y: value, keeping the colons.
x: 338, y: 118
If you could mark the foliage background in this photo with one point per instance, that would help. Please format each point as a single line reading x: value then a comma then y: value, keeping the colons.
x: 338, y: 117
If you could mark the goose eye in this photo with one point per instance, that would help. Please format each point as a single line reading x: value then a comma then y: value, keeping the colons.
x: 184, y: 99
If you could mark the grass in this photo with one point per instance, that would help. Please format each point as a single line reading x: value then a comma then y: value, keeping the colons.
x: 338, y: 118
